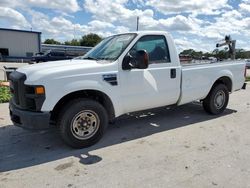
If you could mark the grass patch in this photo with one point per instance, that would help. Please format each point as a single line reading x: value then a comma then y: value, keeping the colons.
x: 4, y: 94
x: 248, y: 78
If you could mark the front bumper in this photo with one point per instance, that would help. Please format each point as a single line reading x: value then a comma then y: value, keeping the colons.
x: 28, y: 119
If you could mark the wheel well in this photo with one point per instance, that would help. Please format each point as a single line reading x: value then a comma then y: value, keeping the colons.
x: 99, y: 96
x: 226, y: 81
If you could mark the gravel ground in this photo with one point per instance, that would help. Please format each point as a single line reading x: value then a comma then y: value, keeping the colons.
x: 180, y: 147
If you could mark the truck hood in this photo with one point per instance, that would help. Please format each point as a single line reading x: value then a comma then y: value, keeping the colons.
x: 65, y: 68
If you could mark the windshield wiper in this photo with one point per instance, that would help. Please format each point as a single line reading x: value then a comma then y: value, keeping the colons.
x: 103, y: 58
x: 91, y: 58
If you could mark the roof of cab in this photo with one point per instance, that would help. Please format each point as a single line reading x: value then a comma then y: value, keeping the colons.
x: 149, y: 32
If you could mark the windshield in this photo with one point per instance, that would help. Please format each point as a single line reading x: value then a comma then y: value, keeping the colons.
x: 47, y: 52
x: 110, y: 48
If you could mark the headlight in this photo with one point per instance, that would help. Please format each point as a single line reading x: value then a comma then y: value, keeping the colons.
x: 35, y: 96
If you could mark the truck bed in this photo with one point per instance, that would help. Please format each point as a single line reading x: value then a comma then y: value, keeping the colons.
x: 205, y: 62
x: 198, y: 78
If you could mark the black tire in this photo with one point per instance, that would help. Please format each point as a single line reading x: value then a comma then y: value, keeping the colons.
x: 71, y: 114
x: 112, y: 122
x: 211, y: 104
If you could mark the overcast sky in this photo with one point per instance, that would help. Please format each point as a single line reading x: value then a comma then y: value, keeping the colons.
x: 196, y: 24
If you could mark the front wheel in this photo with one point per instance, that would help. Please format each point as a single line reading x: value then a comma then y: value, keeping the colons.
x: 217, y: 100
x: 82, y: 122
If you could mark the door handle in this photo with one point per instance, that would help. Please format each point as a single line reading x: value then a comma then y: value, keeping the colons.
x: 173, y: 73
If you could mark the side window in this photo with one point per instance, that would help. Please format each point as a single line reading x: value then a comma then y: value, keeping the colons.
x: 52, y: 53
x: 156, y: 47
x: 61, y: 54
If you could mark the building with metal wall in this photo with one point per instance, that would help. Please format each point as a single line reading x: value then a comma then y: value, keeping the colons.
x: 19, y: 44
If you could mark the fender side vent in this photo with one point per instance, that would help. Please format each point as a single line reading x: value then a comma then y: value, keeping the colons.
x: 111, y: 79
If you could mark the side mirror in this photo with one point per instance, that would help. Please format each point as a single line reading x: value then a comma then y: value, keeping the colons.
x: 138, y: 62
x: 142, y: 59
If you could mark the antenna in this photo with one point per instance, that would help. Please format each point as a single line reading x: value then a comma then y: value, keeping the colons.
x: 137, y: 23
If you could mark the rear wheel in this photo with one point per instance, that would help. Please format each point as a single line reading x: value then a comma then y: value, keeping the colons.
x: 217, y: 99
x: 82, y: 122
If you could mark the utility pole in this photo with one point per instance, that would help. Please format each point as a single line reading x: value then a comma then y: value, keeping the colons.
x: 74, y: 32
x: 137, y: 23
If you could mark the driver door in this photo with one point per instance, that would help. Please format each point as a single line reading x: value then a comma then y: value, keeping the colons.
x: 155, y: 86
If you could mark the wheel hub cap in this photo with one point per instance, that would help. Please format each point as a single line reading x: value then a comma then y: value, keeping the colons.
x: 85, y: 124
x: 219, y: 99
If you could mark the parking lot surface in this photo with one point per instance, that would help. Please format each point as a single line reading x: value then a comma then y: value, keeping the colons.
x: 178, y: 147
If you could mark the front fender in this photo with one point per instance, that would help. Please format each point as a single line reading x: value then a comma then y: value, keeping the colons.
x: 57, y: 93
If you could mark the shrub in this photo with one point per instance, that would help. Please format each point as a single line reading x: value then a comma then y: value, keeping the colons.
x: 4, y: 94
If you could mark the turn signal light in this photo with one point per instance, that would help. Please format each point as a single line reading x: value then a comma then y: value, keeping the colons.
x: 40, y: 90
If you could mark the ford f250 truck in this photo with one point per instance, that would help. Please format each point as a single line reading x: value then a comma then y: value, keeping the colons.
x: 123, y: 73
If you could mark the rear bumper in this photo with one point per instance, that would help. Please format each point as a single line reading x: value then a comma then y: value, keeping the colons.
x: 29, y: 119
x: 244, y: 86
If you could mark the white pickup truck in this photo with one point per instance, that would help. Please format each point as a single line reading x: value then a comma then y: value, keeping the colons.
x: 123, y: 73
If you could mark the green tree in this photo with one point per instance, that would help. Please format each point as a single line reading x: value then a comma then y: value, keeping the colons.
x: 73, y: 42
x: 241, y: 53
x: 215, y: 51
x: 187, y: 52
x: 90, y: 40
x: 51, y: 41
x: 207, y: 54
x: 222, y: 54
x: 192, y: 53
x: 219, y: 54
